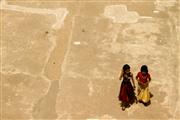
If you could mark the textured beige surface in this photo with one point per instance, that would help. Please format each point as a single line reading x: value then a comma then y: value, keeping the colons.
x: 61, y: 59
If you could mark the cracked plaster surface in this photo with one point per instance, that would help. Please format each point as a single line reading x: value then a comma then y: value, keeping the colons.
x: 61, y: 59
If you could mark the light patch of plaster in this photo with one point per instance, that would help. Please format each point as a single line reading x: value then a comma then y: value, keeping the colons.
x: 103, y: 117
x: 64, y: 115
x: 2, y: 2
x: 145, y: 28
x: 59, y: 13
x: 115, y: 47
x: 161, y: 5
x: 156, y: 11
x: 120, y: 14
x: 76, y: 43
x: 96, y: 73
x: 91, y: 90
x: 75, y: 74
x: 132, y: 109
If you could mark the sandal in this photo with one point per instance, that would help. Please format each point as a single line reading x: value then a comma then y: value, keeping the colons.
x: 123, y: 108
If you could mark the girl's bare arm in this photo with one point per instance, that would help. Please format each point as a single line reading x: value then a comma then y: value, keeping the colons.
x: 133, y: 80
x: 121, y: 75
x: 137, y: 79
x: 149, y: 78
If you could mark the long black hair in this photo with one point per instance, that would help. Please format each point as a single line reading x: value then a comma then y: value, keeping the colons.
x: 126, y: 67
x: 144, y: 68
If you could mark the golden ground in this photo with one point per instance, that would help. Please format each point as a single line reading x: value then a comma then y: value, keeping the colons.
x: 62, y: 59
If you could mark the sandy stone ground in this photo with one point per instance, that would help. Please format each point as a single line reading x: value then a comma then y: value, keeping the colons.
x: 61, y: 59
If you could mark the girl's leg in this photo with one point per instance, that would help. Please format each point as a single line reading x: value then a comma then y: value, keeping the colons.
x: 123, y: 106
x: 135, y: 99
x: 138, y: 91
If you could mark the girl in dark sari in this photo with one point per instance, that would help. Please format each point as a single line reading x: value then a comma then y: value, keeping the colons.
x: 126, y: 94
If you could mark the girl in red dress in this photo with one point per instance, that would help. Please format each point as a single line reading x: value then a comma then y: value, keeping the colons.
x: 126, y: 94
x: 143, y: 78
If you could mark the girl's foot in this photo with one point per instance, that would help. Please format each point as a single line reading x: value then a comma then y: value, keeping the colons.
x: 136, y: 100
x: 140, y: 101
x: 128, y: 105
x: 121, y: 104
x: 147, y: 104
x: 123, y: 108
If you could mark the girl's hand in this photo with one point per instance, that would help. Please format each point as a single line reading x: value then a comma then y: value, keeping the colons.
x: 146, y: 84
x: 122, y: 71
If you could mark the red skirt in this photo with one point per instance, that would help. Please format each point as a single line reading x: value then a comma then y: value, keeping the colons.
x: 126, y: 93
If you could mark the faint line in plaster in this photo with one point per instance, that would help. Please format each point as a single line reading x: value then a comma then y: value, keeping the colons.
x: 52, y: 39
x: 67, y: 51
x: 13, y: 70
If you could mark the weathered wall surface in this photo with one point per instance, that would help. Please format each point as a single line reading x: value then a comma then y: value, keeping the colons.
x: 62, y: 59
